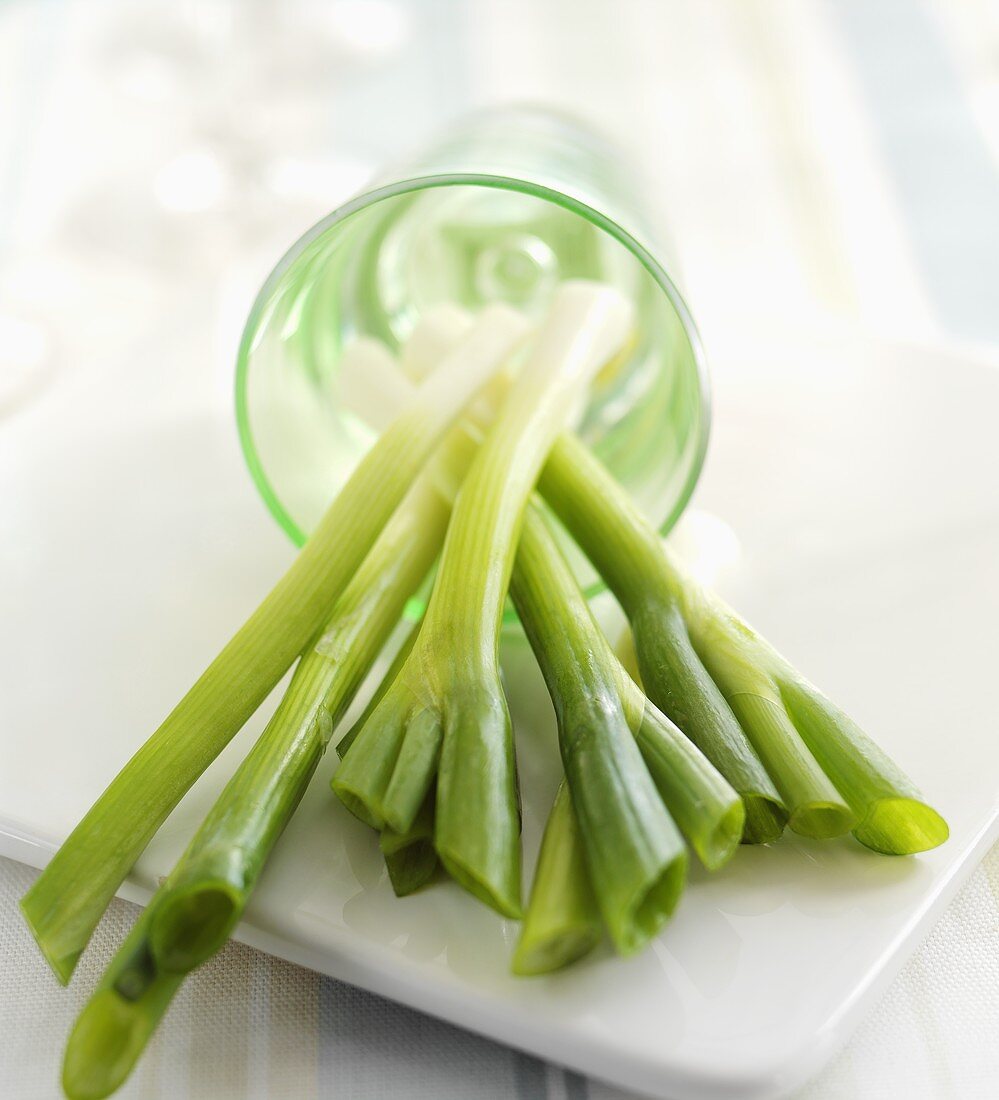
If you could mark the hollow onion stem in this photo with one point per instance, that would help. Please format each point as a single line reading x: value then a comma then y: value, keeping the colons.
x: 410, y: 857
x: 119, y: 1019
x: 707, y: 809
x: 562, y: 922
x: 634, y: 853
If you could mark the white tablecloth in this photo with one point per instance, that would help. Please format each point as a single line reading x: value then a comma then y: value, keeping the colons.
x: 820, y: 164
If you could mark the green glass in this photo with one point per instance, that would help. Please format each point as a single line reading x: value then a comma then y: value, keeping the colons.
x: 502, y: 209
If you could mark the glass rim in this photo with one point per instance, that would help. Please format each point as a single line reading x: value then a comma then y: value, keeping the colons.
x: 410, y: 185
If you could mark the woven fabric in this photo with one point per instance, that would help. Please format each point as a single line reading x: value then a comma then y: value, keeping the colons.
x: 247, y: 1025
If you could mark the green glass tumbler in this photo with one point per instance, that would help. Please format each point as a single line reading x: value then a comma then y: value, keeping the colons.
x: 503, y: 208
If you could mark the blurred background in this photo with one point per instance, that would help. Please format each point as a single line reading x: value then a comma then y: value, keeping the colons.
x: 816, y: 163
x: 821, y: 166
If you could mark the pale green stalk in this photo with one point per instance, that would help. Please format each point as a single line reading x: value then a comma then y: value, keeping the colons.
x: 634, y: 853
x: 445, y: 714
x: 709, y: 811
x: 410, y: 857
x: 398, y: 660
x: 194, y: 912
x: 65, y: 903
x: 562, y: 922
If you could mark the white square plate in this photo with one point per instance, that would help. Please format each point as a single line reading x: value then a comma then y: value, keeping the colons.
x: 857, y: 489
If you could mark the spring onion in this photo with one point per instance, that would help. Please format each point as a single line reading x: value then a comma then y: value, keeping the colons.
x: 562, y: 922
x: 709, y: 811
x: 410, y: 857
x: 636, y: 858
x: 446, y: 714
x: 111, y: 1032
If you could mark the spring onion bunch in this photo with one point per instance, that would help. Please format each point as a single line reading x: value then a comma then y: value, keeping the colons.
x: 710, y: 813
x: 707, y: 809
x: 790, y: 753
x: 65, y: 903
x: 721, y: 742
x: 445, y: 716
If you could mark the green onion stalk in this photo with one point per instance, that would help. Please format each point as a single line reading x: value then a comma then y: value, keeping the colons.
x: 65, y: 903
x: 709, y: 811
x: 562, y: 922
x: 193, y: 913
x: 783, y: 746
x: 111, y: 1033
x: 410, y: 857
x: 634, y: 853
x: 445, y: 715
